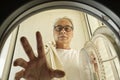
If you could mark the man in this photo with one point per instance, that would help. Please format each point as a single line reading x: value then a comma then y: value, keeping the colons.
x: 58, y: 62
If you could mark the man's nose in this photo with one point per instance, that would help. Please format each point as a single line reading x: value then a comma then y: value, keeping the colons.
x: 63, y: 30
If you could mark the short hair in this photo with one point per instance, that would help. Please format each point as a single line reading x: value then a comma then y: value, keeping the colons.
x: 66, y: 19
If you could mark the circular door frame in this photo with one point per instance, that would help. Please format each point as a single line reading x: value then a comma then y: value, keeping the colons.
x: 92, y: 7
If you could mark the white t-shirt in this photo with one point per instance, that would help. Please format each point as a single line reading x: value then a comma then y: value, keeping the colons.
x: 71, y: 63
x: 75, y: 63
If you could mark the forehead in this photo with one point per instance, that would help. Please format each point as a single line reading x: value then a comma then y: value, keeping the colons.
x: 63, y: 22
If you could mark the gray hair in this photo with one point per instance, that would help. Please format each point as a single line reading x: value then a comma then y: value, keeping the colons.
x: 66, y: 19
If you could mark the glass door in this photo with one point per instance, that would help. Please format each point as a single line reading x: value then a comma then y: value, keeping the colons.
x: 102, y: 51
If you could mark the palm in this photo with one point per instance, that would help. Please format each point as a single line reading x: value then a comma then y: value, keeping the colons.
x: 36, y: 68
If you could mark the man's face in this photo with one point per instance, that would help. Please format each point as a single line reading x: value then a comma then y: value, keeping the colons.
x: 63, y: 31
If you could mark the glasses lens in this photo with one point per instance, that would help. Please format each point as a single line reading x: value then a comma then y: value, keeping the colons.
x: 58, y: 28
x: 66, y: 28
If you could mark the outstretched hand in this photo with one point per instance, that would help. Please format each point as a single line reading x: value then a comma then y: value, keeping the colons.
x: 36, y: 68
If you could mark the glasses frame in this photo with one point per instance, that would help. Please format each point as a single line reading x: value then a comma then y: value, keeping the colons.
x: 63, y: 27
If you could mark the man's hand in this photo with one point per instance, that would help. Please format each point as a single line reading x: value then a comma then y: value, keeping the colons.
x: 36, y: 68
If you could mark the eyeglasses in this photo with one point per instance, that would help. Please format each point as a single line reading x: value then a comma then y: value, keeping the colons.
x: 59, y: 28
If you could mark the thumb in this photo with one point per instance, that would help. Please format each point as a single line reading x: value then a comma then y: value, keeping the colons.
x: 58, y: 73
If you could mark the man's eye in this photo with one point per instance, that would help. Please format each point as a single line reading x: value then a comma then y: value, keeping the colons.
x: 66, y: 28
x: 59, y: 28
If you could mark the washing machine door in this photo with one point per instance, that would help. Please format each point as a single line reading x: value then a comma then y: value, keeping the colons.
x: 102, y: 52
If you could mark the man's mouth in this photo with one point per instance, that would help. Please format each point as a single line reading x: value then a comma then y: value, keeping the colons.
x: 64, y: 37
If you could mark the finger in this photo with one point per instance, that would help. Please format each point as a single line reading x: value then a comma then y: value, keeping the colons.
x: 19, y: 75
x: 40, y: 47
x: 58, y: 74
x: 20, y: 62
x: 27, y: 48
